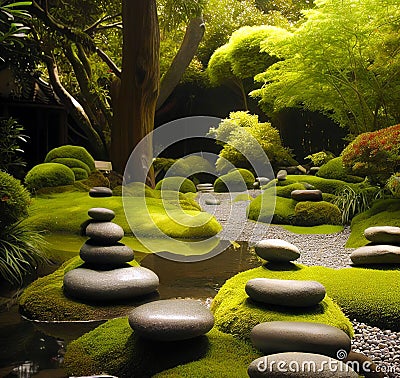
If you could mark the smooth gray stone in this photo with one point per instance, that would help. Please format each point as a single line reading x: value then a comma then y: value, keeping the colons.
x: 306, y: 195
x: 204, y: 186
x: 263, y: 180
x: 278, y: 337
x: 299, y: 365
x: 276, y: 250
x: 256, y: 185
x: 171, y: 319
x: 106, y: 255
x: 376, y: 254
x: 290, y: 293
x: 101, y: 214
x: 212, y: 201
x: 383, y: 234
x: 100, y: 191
x: 281, y: 175
x: 104, y: 233
x: 313, y: 170
x: 109, y: 285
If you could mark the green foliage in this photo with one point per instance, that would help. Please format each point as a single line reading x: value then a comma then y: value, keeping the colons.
x: 21, y: 252
x: 393, y: 184
x: 48, y: 175
x: 334, y: 169
x: 349, y: 74
x: 71, y: 163
x: 80, y: 174
x: 68, y: 151
x: 320, y: 158
x: 374, y: 154
x: 14, y: 200
x: 310, y: 213
x: 235, y: 181
x: 181, y: 184
x: 383, y: 212
x: 286, y: 191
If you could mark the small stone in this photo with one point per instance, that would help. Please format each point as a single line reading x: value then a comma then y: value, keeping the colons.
x: 101, y: 214
x: 288, y: 293
x: 279, y: 336
x: 171, y: 319
x: 368, y: 368
x: 306, y: 195
x: 212, y: 201
x: 100, y: 191
x: 281, y: 175
x: 262, y: 180
x: 383, y: 234
x: 205, y: 186
x: 276, y: 250
x: 104, y: 233
x: 313, y: 171
x: 106, y: 255
x: 376, y: 254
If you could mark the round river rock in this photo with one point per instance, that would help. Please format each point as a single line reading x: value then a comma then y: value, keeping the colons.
x: 280, y: 336
x: 290, y: 293
x: 106, y: 255
x: 212, y: 201
x: 109, y: 285
x: 104, y: 233
x: 306, y: 195
x: 100, y: 191
x: 383, y: 234
x: 101, y: 214
x: 276, y: 250
x: 376, y: 254
x: 281, y: 175
x: 171, y: 319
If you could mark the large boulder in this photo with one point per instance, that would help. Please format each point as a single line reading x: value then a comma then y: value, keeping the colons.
x: 383, y: 234
x: 276, y: 250
x: 376, y: 254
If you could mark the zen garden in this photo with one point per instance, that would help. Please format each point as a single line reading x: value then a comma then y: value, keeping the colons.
x: 200, y: 188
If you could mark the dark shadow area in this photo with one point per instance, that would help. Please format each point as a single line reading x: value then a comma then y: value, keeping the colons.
x: 312, y: 310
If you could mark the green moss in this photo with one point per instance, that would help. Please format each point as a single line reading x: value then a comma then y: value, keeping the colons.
x: 368, y: 295
x: 113, y: 348
x: 72, y: 163
x: 96, y: 178
x: 80, y: 174
x: 310, y: 213
x: 49, y: 175
x: 243, y: 197
x: 235, y: 180
x: 285, y: 191
x: 334, y: 169
x: 181, y: 184
x: 384, y: 212
x: 322, y: 229
x: 329, y: 197
x: 75, y: 152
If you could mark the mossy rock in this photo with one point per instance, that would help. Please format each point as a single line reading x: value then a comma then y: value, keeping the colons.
x: 286, y: 191
x: 368, y: 295
x: 96, y: 178
x: 113, y: 348
x: 181, y: 184
x: 44, y: 300
x: 80, y: 174
x: 310, y: 213
x: 235, y: 313
x: 334, y: 169
x: 49, y: 175
x: 236, y: 180
x: 72, y: 163
x: 384, y: 212
x: 69, y: 151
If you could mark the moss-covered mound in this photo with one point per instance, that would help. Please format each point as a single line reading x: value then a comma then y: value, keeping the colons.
x: 74, y: 152
x: 243, y: 197
x: 286, y: 191
x: 384, y: 212
x: 181, y: 184
x: 72, y: 163
x: 236, y: 180
x: 113, y: 348
x: 334, y: 169
x: 371, y: 296
x: 44, y: 300
x: 49, y: 175
x: 80, y: 174
x: 310, y: 213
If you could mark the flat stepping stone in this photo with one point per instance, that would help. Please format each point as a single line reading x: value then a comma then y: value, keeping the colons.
x: 104, y: 233
x: 110, y: 285
x: 100, y: 191
x: 212, y: 201
x: 306, y: 195
x: 101, y: 214
x: 278, y: 337
x: 171, y: 320
x: 281, y: 175
x: 113, y: 255
x: 299, y: 365
x: 276, y: 250
x: 376, y: 254
x: 288, y: 293
x: 383, y: 234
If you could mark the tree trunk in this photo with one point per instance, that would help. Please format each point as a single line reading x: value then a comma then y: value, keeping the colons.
x: 193, y: 36
x: 136, y: 103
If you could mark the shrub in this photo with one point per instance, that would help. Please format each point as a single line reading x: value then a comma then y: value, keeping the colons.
x: 72, y: 163
x: 68, y: 151
x: 181, y: 184
x: 80, y: 174
x: 235, y: 181
x: 14, y: 200
x: 320, y: 158
x: 334, y: 169
x: 374, y: 154
x: 49, y: 175
x: 393, y: 184
x: 315, y: 213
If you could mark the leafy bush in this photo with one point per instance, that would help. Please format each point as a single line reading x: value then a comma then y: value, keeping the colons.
x: 334, y: 169
x: 235, y: 181
x: 72, y: 163
x: 181, y: 184
x: 80, y: 174
x: 320, y: 158
x: 14, y: 200
x: 393, y: 184
x: 49, y: 175
x: 242, y: 132
x: 374, y: 154
x: 68, y: 151
x: 315, y: 213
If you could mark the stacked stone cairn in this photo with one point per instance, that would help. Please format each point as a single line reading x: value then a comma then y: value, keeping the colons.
x: 384, y: 247
x: 207, y: 187
x: 260, y: 182
x: 291, y: 344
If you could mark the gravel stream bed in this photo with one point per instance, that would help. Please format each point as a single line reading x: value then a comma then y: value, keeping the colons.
x: 382, y: 346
